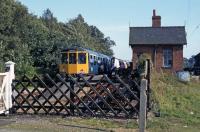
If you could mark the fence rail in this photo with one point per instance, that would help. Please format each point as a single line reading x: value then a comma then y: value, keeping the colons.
x: 80, y: 96
x: 97, y: 96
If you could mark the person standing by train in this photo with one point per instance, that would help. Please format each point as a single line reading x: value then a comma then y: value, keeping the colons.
x: 115, y: 66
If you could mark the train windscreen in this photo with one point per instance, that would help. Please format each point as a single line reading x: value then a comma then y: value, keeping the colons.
x: 82, y: 58
x: 64, y: 58
x: 72, y: 58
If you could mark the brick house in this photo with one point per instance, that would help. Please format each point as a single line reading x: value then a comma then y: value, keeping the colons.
x: 164, y: 44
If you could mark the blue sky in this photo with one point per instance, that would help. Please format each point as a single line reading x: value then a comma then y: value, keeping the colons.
x: 113, y: 17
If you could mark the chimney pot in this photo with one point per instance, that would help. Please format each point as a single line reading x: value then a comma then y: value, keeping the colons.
x: 154, y: 12
x: 156, y: 20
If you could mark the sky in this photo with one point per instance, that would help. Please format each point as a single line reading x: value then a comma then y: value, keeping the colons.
x: 114, y: 17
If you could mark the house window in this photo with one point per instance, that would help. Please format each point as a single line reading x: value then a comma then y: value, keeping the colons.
x: 167, y: 58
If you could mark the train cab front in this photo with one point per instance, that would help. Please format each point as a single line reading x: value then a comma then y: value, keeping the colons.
x: 74, y: 62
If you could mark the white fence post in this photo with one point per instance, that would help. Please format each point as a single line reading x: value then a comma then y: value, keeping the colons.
x: 3, y: 85
x: 10, y: 70
x: 143, y: 105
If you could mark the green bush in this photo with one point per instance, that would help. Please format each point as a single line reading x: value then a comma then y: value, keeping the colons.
x: 141, y: 62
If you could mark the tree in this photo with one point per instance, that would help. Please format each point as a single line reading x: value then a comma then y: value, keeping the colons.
x: 49, y: 20
x: 35, y: 43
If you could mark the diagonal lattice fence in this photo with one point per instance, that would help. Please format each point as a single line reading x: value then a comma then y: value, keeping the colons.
x: 98, y: 96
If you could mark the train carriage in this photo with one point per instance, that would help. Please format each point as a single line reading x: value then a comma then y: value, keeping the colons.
x: 81, y: 60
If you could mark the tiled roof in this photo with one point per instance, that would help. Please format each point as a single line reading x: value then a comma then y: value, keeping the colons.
x: 157, y: 35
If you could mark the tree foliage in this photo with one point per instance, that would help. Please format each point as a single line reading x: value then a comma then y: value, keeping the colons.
x: 34, y: 43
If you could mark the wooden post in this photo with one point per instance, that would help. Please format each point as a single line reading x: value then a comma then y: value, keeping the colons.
x: 146, y: 69
x: 72, y: 97
x: 148, y: 77
x: 143, y: 105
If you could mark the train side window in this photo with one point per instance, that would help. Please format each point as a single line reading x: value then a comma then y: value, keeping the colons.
x: 64, y: 58
x: 72, y: 58
x: 82, y: 58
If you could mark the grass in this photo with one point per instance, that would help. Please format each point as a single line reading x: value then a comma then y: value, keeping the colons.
x: 177, y: 102
x: 58, y: 124
x: 99, y: 122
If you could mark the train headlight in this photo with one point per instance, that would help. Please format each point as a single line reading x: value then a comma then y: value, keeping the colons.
x: 63, y: 69
x: 82, y: 71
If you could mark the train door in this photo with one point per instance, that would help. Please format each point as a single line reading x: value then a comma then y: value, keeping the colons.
x: 83, y: 65
x: 72, y: 64
x: 63, y: 67
x: 92, y: 64
x: 90, y: 61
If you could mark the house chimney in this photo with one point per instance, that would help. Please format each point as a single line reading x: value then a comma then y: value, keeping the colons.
x: 156, y: 20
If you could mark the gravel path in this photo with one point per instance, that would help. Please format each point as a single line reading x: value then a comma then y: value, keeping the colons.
x: 44, y: 123
x: 32, y: 123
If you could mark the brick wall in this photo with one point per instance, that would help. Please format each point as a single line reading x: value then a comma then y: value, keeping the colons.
x: 156, y: 54
x: 137, y: 50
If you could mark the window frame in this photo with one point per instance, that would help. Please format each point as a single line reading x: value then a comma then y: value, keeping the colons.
x: 85, y: 59
x: 64, y: 58
x: 75, y: 60
x: 167, y: 57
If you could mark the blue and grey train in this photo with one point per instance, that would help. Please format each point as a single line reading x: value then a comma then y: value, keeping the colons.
x: 85, y: 61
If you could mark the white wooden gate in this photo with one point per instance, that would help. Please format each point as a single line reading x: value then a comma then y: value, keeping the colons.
x: 6, y: 88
